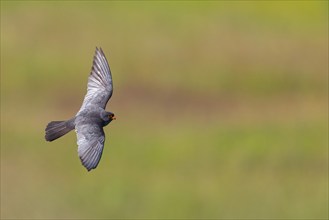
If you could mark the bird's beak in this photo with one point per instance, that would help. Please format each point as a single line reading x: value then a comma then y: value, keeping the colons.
x: 114, y: 118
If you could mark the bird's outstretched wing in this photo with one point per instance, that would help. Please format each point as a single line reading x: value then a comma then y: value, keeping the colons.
x: 100, y: 87
x: 90, y: 140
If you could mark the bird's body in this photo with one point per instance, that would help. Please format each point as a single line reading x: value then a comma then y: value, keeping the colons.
x: 92, y: 117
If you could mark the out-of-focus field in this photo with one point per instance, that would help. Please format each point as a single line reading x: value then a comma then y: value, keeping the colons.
x: 222, y: 109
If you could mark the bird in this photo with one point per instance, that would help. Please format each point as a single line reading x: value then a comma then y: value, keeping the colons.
x: 88, y: 123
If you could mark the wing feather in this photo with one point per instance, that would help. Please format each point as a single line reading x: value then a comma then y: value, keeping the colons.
x: 90, y: 140
x: 100, y: 86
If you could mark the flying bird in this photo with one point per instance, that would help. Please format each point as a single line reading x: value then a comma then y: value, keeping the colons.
x: 92, y: 117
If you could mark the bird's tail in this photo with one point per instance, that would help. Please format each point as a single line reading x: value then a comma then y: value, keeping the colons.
x: 57, y: 129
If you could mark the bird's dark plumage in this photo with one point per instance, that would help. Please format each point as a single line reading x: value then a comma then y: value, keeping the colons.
x: 92, y: 117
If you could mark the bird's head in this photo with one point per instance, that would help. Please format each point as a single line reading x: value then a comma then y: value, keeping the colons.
x: 111, y: 116
x: 107, y: 117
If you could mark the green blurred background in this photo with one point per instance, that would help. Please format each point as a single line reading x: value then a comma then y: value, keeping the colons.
x: 222, y: 109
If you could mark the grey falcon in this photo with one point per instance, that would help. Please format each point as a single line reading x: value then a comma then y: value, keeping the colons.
x: 92, y: 117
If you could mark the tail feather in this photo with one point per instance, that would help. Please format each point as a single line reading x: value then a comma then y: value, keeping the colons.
x: 57, y: 129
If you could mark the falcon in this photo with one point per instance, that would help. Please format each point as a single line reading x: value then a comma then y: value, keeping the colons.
x: 92, y: 117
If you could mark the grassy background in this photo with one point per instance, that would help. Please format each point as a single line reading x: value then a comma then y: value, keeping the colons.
x: 222, y: 109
